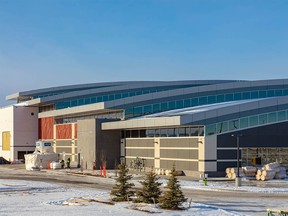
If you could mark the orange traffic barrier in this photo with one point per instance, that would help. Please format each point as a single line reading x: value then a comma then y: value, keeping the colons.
x: 104, y: 171
x: 100, y: 170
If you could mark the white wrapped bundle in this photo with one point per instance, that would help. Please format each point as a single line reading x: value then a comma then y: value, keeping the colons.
x: 229, y: 175
x: 280, y: 175
x: 233, y: 170
x: 241, y: 173
x: 250, y: 174
x: 55, y: 165
x: 269, y: 173
x: 259, y: 172
x: 158, y: 172
x: 167, y: 172
x: 272, y: 166
x: 234, y: 175
x: 258, y: 177
x: 249, y: 170
x: 228, y: 170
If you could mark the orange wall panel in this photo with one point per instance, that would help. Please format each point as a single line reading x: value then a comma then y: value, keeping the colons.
x: 64, y: 131
x: 46, y: 128
x: 75, y: 130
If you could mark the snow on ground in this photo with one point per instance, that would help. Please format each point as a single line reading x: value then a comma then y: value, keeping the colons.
x: 230, y: 186
x: 258, y: 187
x: 38, y: 198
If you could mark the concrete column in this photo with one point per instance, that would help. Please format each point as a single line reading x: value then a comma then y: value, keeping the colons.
x: 156, y: 153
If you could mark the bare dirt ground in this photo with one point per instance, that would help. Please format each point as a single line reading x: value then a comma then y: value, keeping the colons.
x: 242, y: 203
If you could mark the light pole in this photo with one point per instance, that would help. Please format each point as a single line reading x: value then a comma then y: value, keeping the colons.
x: 238, y: 178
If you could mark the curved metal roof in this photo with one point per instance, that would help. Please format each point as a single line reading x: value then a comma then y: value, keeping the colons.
x: 201, y: 114
x: 84, y: 89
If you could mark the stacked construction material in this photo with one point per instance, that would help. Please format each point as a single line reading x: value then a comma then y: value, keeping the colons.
x: 232, y: 172
x: 167, y: 172
x: 281, y: 174
x: 271, y: 171
x: 249, y: 171
x: 267, y: 172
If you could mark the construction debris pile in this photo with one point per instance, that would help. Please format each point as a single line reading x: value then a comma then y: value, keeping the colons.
x: 267, y: 172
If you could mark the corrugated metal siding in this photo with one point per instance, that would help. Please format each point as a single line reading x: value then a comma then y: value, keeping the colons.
x: 46, y: 128
x: 64, y: 131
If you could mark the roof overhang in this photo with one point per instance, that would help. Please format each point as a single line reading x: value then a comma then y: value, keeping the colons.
x: 143, y: 123
x: 90, y: 109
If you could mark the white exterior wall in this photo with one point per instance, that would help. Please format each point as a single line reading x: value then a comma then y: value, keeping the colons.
x: 23, y: 127
x: 7, y: 124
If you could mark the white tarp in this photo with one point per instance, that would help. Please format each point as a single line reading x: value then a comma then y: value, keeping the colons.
x: 37, y: 160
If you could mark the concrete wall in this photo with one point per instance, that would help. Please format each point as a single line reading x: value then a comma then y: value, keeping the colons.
x: 107, y: 145
x: 87, y: 142
x: 95, y: 144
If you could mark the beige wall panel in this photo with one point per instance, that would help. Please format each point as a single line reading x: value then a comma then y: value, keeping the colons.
x: 179, y: 142
x: 183, y: 165
x: 67, y: 143
x: 139, y: 142
x: 140, y: 152
x: 67, y: 150
x: 180, y: 153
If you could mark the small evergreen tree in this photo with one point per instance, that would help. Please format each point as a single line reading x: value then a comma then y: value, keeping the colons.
x: 150, y: 189
x: 122, y: 189
x: 173, y: 197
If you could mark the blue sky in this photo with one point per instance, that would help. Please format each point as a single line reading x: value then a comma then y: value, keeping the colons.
x: 46, y: 43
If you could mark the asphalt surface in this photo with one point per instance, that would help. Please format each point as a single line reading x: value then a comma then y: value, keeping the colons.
x: 242, y: 203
